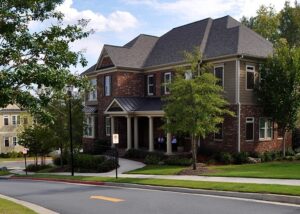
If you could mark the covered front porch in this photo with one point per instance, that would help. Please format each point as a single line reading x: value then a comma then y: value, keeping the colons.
x: 139, y: 121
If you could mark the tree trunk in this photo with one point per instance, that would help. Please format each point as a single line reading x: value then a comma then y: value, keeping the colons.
x: 36, y: 159
x: 194, y: 151
x: 61, y: 156
x: 284, y: 142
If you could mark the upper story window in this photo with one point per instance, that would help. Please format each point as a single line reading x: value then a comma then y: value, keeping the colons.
x: 219, y: 133
x: 219, y: 73
x: 15, y: 120
x: 93, y: 92
x: 107, y: 126
x: 15, y: 141
x: 6, y: 141
x: 89, y: 126
x: 249, y: 128
x: 5, y: 120
x: 150, y: 84
x: 188, y: 75
x: 107, y: 85
x: 167, y: 81
x: 250, y: 77
x: 265, y: 128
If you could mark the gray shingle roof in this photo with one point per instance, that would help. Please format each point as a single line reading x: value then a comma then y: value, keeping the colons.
x: 89, y: 109
x: 214, y: 37
x: 132, y: 104
x: 89, y: 70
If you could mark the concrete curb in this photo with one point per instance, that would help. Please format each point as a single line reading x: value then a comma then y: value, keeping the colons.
x: 96, y: 183
x: 253, y: 196
x: 34, y: 207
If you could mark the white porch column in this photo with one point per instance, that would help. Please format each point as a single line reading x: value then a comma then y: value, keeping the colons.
x: 169, y: 144
x: 136, y: 134
x: 151, y: 141
x: 129, y: 138
x: 112, y: 129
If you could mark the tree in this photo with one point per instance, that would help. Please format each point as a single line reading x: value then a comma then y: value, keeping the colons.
x: 36, y: 59
x: 278, y: 91
x: 195, y: 106
x: 290, y: 23
x: 265, y: 23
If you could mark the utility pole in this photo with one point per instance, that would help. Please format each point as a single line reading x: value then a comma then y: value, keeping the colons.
x: 70, y: 130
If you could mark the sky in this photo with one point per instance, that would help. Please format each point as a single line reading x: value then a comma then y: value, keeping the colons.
x: 116, y: 22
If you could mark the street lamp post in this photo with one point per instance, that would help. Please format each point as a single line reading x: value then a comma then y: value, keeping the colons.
x: 70, y: 130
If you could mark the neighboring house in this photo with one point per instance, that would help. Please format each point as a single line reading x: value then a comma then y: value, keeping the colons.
x: 12, y: 121
x: 129, y: 82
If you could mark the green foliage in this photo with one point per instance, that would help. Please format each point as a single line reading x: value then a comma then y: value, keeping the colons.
x: 195, y: 106
x: 153, y: 159
x: 11, y: 155
x: 225, y: 157
x: 57, y: 160
x: 141, y: 154
x: 176, y: 161
x: 36, y: 168
x: 241, y: 157
x: 30, y: 59
x: 106, y: 165
x: 101, y: 146
x: 84, y: 161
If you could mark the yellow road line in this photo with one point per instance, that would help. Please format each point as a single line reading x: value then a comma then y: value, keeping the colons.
x: 115, y: 200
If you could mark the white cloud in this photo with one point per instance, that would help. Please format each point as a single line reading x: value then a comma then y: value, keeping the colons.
x: 116, y: 21
x: 198, y: 9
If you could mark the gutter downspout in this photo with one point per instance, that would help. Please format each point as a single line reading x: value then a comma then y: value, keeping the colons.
x: 238, y: 76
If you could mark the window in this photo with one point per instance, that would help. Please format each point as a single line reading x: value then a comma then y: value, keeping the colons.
x: 280, y: 132
x: 219, y: 73
x: 249, y: 128
x: 15, y: 120
x: 150, y: 84
x: 107, y: 126
x: 167, y: 81
x: 5, y: 120
x: 89, y: 126
x: 107, y: 85
x: 219, y: 134
x: 188, y: 75
x: 93, y: 92
x: 265, y: 129
x: 15, y: 141
x: 6, y: 141
x: 25, y: 120
x: 250, y: 77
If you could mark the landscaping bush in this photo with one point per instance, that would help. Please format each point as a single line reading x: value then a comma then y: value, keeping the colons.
x: 101, y: 146
x: 266, y: 157
x: 11, y: 155
x: 178, y: 161
x: 35, y: 168
x: 226, y: 158
x: 290, y: 152
x: 56, y: 160
x: 240, y: 158
x: 136, y: 154
x: 106, y: 165
x: 153, y: 159
x: 289, y: 158
x: 85, y: 161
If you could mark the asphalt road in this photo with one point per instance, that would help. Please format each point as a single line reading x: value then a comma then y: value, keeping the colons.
x: 76, y: 199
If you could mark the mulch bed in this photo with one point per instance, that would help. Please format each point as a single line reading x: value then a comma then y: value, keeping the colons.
x: 200, y: 169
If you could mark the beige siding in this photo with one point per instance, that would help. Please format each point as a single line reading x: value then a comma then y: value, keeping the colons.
x: 229, y: 79
x: 247, y: 96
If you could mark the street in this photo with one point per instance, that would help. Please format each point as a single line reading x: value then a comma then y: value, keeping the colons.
x: 78, y: 199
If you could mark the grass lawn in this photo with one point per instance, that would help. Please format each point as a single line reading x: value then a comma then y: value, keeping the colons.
x: 13, y: 208
x: 157, y: 170
x: 4, y: 173
x: 238, y: 187
x: 288, y: 170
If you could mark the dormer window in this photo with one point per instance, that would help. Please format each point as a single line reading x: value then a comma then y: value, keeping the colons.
x: 93, y: 92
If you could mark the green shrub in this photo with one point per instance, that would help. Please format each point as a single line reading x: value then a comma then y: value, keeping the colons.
x: 289, y: 158
x: 56, y: 160
x: 101, y: 146
x: 35, y: 168
x: 11, y: 155
x: 226, y: 158
x: 106, y: 165
x: 290, y: 152
x: 85, y: 161
x: 153, y: 159
x: 136, y: 154
x: 240, y: 158
x: 178, y: 161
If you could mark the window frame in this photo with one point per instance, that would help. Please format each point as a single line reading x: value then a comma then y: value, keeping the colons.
x: 5, y: 117
x: 220, y: 66
x: 107, y: 88
x: 246, y: 79
x: 15, y: 140
x: 4, y: 141
x: 266, y: 128
x: 107, y: 126
x: 253, y: 133
x: 89, y: 126
x: 188, y: 75
x: 222, y: 128
x: 17, y: 120
x: 166, y: 89
x: 150, y: 85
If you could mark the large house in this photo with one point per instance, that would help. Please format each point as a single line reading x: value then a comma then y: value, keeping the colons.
x: 12, y: 121
x: 129, y: 82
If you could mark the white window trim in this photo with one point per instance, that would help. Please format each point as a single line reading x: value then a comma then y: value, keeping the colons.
x: 165, y: 82
x: 18, y: 122
x: 107, y: 126
x: 253, y: 122
x: 265, y: 130
x: 188, y: 75
x: 106, y: 94
x: 14, y: 143
x: 4, y: 117
x: 250, y: 71
x: 91, y: 98
x: 220, y: 66
x: 217, y: 139
x: 92, y: 125
x: 148, y: 85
